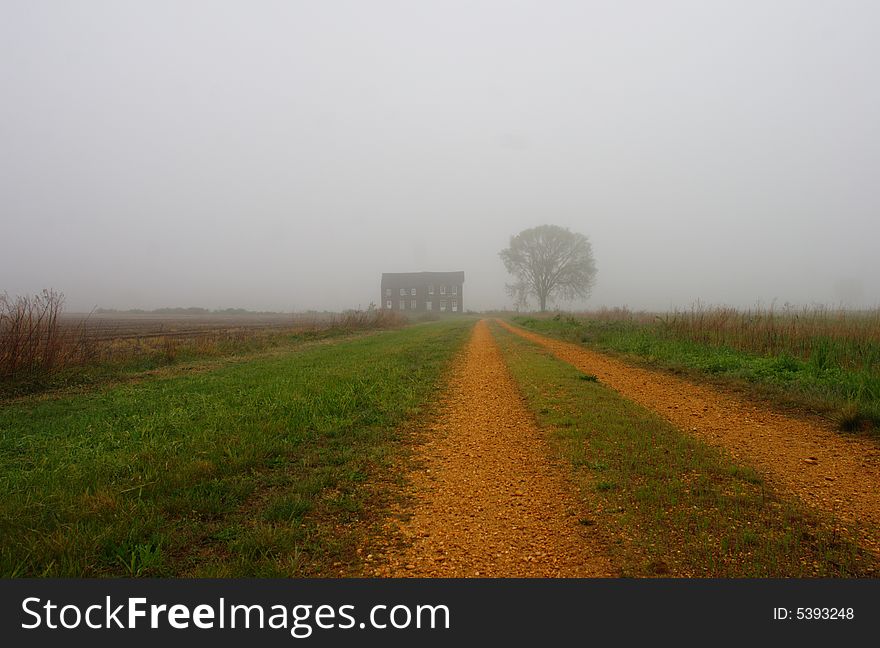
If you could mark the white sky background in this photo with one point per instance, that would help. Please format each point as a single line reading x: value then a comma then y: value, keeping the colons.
x: 279, y: 155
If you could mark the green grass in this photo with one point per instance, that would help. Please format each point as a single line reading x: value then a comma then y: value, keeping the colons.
x: 850, y: 395
x: 666, y: 503
x: 265, y: 467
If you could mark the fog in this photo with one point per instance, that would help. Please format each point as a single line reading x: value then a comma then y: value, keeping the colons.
x: 282, y: 155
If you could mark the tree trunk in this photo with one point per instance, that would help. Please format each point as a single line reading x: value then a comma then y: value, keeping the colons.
x: 543, y: 299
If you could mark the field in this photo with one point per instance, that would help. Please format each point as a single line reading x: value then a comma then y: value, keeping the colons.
x: 609, y: 444
x: 43, y: 348
x: 258, y: 467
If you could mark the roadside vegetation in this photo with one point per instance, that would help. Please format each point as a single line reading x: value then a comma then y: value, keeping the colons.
x: 265, y: 467
x: 42, y: 349
x: 826, y: 361
x: 668, y: 504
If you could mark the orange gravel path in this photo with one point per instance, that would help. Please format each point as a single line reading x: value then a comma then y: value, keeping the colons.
x: 826, y: 470
x: 488, y: 500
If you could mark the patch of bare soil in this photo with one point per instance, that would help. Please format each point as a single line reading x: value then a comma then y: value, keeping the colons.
x: 826, y: 470
x: 487, y: 500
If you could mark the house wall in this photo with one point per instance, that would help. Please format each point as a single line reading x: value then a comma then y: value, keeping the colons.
x: 393, y: 283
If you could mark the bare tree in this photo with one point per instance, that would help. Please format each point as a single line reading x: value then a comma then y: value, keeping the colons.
x: 549, y: 262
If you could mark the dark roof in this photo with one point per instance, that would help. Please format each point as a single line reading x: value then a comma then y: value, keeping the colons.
x: 454, y: 277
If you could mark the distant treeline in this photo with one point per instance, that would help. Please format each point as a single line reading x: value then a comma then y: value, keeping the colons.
x: 191, y: 310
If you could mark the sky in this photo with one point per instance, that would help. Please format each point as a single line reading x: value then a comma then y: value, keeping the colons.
x: 282, y: 155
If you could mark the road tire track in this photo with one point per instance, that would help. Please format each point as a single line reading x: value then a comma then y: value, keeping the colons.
x: 487, y: 499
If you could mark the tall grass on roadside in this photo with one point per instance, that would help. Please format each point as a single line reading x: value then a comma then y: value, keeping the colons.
x: 372, y: 318
x: 821, y: 335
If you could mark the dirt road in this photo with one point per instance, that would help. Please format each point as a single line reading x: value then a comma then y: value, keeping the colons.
x: 825, y: 469
x: 488, y: 500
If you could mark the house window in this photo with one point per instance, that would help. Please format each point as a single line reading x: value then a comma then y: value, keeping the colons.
x: 412, y: 304
x: 412, y: 291
x: 430, y: 289
x: 402, y: 304
x: 442, y: 305
x: 388, y: 292
x: 388, y: 304
x: 429, y: 306
x: 403, y: 292
x: 442, y: 290
x: 454, y: 305
x: 455, y: 290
